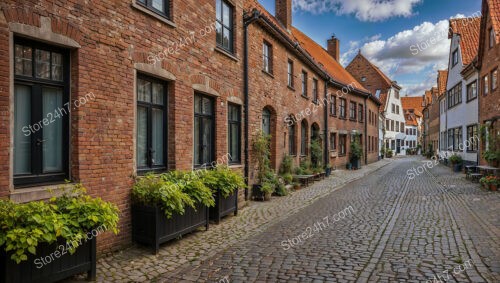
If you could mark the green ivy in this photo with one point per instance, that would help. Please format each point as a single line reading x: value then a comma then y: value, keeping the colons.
x: 69, y: 217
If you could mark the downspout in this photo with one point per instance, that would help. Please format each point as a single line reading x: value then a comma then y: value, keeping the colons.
x: 366, y: 131
x: 246, y: 24
x: 326, y: 156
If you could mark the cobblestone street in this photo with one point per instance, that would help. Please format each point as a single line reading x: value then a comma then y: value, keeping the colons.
x: 400, y: 230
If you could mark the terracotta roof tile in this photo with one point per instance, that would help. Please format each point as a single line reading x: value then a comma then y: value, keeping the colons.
x: 383, y: 100
x: 412, y: 103
x: 468, y: 29
x: 442, y: 80
x: 334, y: 69
x: 494, y: 6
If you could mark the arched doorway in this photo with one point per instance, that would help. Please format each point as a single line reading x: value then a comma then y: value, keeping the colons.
x: 269, y: 128
x: 316, y: 145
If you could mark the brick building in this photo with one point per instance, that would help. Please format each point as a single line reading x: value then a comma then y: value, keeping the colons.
x: 487, y: 63
x: 431, y: 121
x: 412, y: 107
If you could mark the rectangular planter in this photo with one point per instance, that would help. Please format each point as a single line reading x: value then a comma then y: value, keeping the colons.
x: 224, y: 206
x: 60, y: 264
x: 150, y: 225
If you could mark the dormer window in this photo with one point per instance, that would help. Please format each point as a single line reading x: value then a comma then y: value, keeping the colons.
x: 455, y: 58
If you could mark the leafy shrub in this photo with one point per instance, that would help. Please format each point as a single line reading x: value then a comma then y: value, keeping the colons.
x: 288, y: 178
x: 316, y: 153
x: 70, y: 217
x: 456, y: 159
x: 286, y: 165
x: 389, y: 153
x: 281, y: 190
x: 223, y: 179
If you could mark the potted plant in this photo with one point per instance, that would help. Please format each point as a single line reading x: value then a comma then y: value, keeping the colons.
x: 167, y: 206
x: 47, y: 241
x: 296, y: 186
x: 389, y: 153
x: 382, y: 153
x: 348, y: 166
x: 456, y: 161
x: 356, y: 154
x: 484, y: 182
x: 224, y: 184
x: 261, y: 154
x: 328, y: 170
x: 490, y: 182
x: 316, y: 153
x: 492, y: 153
x: 267, y: 190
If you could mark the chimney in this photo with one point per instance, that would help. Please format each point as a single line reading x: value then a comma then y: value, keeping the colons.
x: 334, y: 47
x: 284, y: 12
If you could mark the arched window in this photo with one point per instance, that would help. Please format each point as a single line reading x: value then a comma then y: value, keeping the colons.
x: 292, y: 149
x: 303, y: 137
x: 266, y: 121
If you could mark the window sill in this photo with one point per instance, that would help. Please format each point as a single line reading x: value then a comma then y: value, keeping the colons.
x: 267, y: 73
x: 227, y: 53
x: 39, y: 192
x: 353, y: 119
x: 153, y: 14
x: 470, y: 100
x: 291, y: 87
x: 305, y: 96
x: 236, y: 166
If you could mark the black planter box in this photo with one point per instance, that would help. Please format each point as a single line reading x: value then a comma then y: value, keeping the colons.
x: 150, y: 225
x: 257, y: 193
x: 224, y: 206
x: 60, y: 264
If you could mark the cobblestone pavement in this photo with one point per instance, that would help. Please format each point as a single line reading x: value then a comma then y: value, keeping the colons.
x: 437, y: 225
x: 137, y: 264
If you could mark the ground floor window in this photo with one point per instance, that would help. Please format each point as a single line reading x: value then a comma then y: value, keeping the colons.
x: 342, y: 145
x: 333, y: 141
x: 204, y: 130
x: 234, y: 133
x: 472, y: 138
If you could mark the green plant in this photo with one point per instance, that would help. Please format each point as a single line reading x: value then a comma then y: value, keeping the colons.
x: 267, y: 187
x: 298, y: 171
x: 223, y: 179
x: 382, y: 151
x: 305, y: 166
x: 288, y: 178
x: 286, y: 165
x: 356, y: 150
x: 389, y: 153
x: 261, y: 152
x: 456, y: 159
x: 281, y: 190
x: 316, y: 153
x: 492, y: 153
x: 69, y: 217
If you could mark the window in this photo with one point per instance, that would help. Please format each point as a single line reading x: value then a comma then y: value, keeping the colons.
x: 266, y: 121
x: 204, y: 130
x: 224, y: 25
x: 363, y: 79
x: 315, y: 90
x: 494, y: 80
x: 303, y: 138
x: 290, y: 73
x: 392, y: 125
x: 361, y: 113
x: 333, y: 106
x: 304, y: 84
x: 158, y: 6
x: 393, y: 108
x: 342, y: 145
x: 333, y: 141
x: 151, y: 124
x: 377, y: 93
x: 397, y: 94
x: 455, y: 58
x: 458, y: 139
x: 352, y: 110
x: 455, y: 96
x: 492, y: 38
x: 343, y: 104
x: 41, y: 113
x: 402, y: 127
x: 292, y: 149
x: 485, y: 85
x: 387, y: 124
x: 397, y: 109
x: 472, y: 91
x: 472, y: 138
x: 267, y: 55
x: 234, y: 134
x: 397, y: 126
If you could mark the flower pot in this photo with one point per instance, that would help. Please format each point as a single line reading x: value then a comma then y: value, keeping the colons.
x: 493, y: 187
x: 348, y: 166
x: 328, y: 172
x: 224, y: 206
x: 52, y: 263
x: 257, y: 193
x: 457, y: 168
x: 150, y: 224
x: 296, y: 187
x: 267, y: 196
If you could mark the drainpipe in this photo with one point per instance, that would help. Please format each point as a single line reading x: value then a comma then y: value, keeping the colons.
x: 247, y: 23
x: 366, y: 131
x: 326, y: 157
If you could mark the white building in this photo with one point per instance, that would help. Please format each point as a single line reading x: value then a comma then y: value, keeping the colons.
x: 459, y: 107
x: 412, y: 107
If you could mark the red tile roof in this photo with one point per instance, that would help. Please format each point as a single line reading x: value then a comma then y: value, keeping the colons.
x: 468, y: 29
x: 412, y: 103
x: 494, y: 6
x: 334, y: 69
x: 442, y: 81
x: 383, y: 100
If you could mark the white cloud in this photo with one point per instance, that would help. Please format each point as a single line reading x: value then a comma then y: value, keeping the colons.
x: 426, y: 46
x: 364, y: 10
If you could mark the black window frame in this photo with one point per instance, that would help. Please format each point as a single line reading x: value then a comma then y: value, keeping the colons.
x: 485, y: 87
x: 292, y: 145
x: 148, y: 4
x: 454, y: 58
x: 494, y: 80
x: 342, y: 108
x: 37, y: 177
x: 353, y: 110
x: 342, y: 145
x: 361, y: 113
x: 315, y: 90
x: 472, y: 134
x: 455, y: 95
x: 333, y: 141
x: 471, y: 97
x: 304, y: 78
x: 150, y: 106
x: 228, y: 26
x: 237, y: 122
x: 196, y: 163
x: 303, y: 138
x: 290, y: 73
x: 333, y: 105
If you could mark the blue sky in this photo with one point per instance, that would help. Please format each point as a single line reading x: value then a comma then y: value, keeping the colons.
x: 391, y: 33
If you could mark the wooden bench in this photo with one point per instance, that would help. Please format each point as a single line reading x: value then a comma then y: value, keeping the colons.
x: 475, y: 177
x: 304, y: 179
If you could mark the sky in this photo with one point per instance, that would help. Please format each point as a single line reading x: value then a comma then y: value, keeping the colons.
x: 407, y: 39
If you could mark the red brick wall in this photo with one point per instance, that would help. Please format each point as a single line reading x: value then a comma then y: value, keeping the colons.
x: 273, y: 92
x: 489, y: 105
x: 359, y: 68
x: 373, y: 132
x: 102, y: 130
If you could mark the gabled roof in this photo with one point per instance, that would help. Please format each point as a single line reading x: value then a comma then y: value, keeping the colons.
x: 413, y: 103
x: 468, y: 29
x: 493, y: 8
x: 334, y: 69
x: 383, y: 76
x: 442, y: 81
